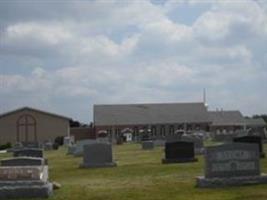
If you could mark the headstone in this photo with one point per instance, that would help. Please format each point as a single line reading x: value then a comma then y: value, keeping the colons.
x: 68, y: 140
x: 159, y: 142
x: 97, y: 155
x: 23, y: 173
x: 147, y: 145
x: 29, y: 152
x: 24, y: 182
x: 80, y: 144
x: 253, y: 140
x: 230, y: 165
x: 23, y: 161
x: 179, y: 152
x: 71, y: 150
x: 31, y: 144
x: 55, y: 146
x: 103, y: 140
x: 48, y: 146
x: 198, y: 142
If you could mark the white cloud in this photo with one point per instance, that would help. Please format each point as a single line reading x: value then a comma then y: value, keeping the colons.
x: 131, y: 51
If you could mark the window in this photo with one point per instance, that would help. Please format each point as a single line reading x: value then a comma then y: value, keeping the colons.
x: 26, y: 128
x: 153, y: 131
x: 171, y: 129
x: 162, y: 130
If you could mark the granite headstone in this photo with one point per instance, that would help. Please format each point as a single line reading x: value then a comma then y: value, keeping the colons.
x: 179, y: 152
x: 29, y: 152
x: 97, y: 155
x: 253, y: 140
x: 231, y: 164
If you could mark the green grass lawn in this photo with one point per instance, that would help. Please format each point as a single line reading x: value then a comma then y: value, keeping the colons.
x: 139, y: 175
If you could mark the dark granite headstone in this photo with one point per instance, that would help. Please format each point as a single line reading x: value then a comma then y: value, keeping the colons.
x: 23, y: 161
x: 147, y: 145
x: 179, y: 152
x: 253, y: 140
x: 29, y: 152
x: 97, y: 155
x: 231, y: 164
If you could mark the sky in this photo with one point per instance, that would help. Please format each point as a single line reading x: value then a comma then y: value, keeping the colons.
x: 66, y: 56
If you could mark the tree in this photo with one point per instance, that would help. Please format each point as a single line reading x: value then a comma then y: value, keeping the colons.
x: 74, y: 123
x: 264, y: 117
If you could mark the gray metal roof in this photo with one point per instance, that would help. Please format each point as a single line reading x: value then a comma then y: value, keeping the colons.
x: 226, y: 118
x: 255, y: 122
x: 35, y: 110
x: 160, y: 113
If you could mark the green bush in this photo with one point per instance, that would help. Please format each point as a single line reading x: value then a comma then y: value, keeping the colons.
x: 5, y: 146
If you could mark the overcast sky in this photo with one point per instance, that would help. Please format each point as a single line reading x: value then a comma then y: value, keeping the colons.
x: 65, y: 56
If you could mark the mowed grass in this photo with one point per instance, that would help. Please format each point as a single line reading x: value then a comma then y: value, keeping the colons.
x: 139, y: 175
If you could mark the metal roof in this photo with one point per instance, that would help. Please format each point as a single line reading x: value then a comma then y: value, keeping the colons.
x: 158, y: 113
x: 226, y: 118
x: 35, y: 110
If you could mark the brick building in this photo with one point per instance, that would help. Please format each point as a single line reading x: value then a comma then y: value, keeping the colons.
x: 158, y: 120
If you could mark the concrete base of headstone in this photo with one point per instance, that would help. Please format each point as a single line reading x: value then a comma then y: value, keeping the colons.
x: 203, y: 182
x: 25, y: 189
x: 170, y: 161
x: 85, y: 165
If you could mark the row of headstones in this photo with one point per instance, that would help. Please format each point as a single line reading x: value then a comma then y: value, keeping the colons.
x: 25, y: 175
x: 236, y: 163
x: 197, y: 141
x: 183, y: 148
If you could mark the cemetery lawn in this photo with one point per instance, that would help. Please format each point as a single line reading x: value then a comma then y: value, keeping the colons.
x: 139, y: 176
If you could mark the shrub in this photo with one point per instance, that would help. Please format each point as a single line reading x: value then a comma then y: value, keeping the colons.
x: 5, y: 146
x: 59, y: 140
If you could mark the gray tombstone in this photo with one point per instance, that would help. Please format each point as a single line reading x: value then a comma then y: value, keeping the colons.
x: 97, y: 155
x: 48, y: 146
x: 198, y: 142
x: 231, y: 164
x: 71, y: 150
x: 80, y: 144
x: 103, y: 140
x: 68, y: 140
x: 16, y: 173
x: 24, y: 182
x: 31, y: 144
x: 147, y: 145
x: 23, y: 161
x: 159, y: 142
x: 29, y: 152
